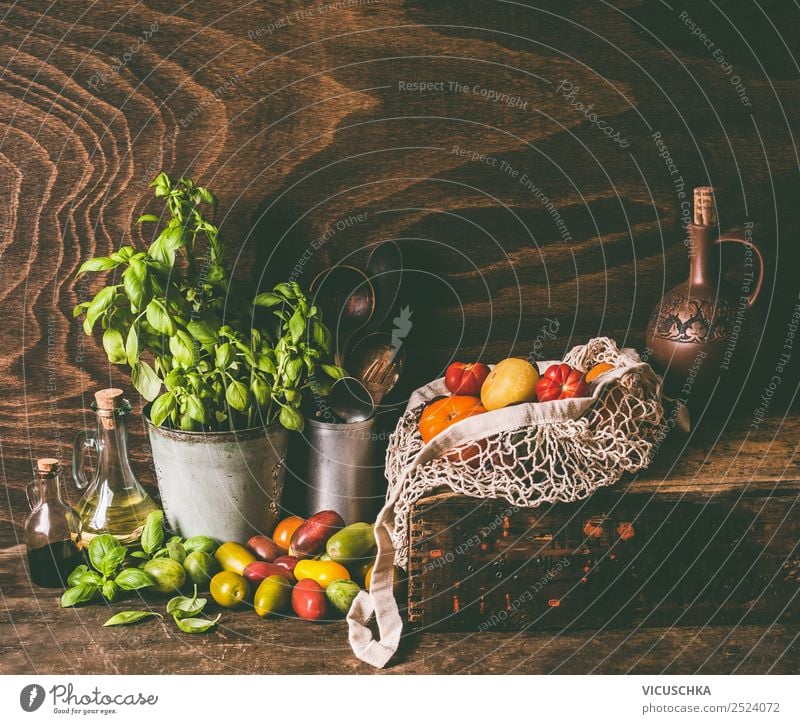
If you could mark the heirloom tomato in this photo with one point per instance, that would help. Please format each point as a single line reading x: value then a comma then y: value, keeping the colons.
x: 440, y: 414
x: 466, y: 379
x: 560, y: 382
x: 282, y: 535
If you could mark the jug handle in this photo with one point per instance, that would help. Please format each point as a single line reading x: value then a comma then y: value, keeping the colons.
x: 83, y: 442
x: 32, y: 493
x: 751, y: 300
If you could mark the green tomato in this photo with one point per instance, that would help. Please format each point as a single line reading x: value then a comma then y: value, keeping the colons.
x: 200, y: 567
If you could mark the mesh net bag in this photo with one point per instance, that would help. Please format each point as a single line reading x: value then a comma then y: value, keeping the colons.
x: 527, y: 454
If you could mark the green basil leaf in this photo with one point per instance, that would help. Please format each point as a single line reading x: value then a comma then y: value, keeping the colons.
x: 132, y: 346
x: 202, y: 331
x: 195, y: 409
x: 237, y: 396
x: 101, y: 302
x: 294, y: 369
x: 333, y: 371
x: 87, y: 576
x: 124, y: 618
x: 185, y: 607
x: 76, y: 574
x: 153, y: 532
x: 114, y: 346
x: 81, y: 593
x: 291, y: 419
x: 267, y: 299
x: 161, y: 553
x: 224, y: 356
x: 159, y: 318
x: 261, y: 391
x: 163, y: 407
x: 139, y: 554
x: 99, y: 263
x: 132, y: 579
x: 106, y: 554
x: 182, y: 348
x: 297, y: 325
x: 195, y: 625
x: 146, y: 217
x: 145, y: 380
x: 133, y: 283
x: 110, y: 590
x: 265, y: 364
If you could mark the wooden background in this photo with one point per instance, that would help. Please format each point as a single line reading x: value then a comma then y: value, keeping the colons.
x: 296, y: 115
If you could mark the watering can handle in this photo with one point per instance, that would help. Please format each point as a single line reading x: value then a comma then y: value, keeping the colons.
x: 751, y: 300
x: 83, y: 442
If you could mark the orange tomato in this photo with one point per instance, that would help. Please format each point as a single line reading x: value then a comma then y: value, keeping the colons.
x: 440, y: 414
x: 597, y: 370
x: 282, y: 535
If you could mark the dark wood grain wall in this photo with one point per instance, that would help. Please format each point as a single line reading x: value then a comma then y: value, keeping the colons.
x: 461, y: 129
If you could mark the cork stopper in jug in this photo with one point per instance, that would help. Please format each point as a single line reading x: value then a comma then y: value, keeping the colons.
x: 705, y: 212
x: 107, y: 401
x: 47, y: 465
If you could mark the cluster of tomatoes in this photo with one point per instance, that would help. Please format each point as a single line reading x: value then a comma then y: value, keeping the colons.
x: 477, y: 389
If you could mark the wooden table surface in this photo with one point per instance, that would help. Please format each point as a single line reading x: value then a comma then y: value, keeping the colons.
x: 38, y: 636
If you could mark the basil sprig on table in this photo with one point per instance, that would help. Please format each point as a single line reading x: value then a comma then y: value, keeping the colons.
x: 106, y: 554
x: 199, y: 347
x: 184, y: 612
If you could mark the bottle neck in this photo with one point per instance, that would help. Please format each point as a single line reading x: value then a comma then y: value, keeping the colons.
x: 112, y: 437
x: 702, y: 239
x: 49, y: 488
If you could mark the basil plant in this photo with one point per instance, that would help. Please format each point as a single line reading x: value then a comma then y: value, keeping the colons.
x: 202, y: 351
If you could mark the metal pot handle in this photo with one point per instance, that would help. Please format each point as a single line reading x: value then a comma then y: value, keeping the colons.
x: 83, y: 442
x: 751, y: 300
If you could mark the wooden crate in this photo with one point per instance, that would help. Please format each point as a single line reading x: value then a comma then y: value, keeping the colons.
x: 694, y: 541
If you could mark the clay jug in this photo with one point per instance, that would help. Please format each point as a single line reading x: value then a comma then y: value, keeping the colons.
x: 700, y: 327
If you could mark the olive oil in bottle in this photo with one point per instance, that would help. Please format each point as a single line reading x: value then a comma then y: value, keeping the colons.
x: 114, y: 501
x: 52, y: 530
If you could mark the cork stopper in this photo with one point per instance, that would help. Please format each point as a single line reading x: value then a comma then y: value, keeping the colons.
x: 47, y: 465
x: 107, y: 401
x: 705, y: 212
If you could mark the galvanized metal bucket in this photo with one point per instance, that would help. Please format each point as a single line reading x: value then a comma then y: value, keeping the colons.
x: 224, y: 484
x: 341, y: 471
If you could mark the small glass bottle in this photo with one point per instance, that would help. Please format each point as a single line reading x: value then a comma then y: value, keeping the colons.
x: 114, y: 501
x: 52, y: 530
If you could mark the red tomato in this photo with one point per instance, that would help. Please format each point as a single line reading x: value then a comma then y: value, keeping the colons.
x: 560, y: 382
x: 308, y: 600
x: 257, y: 571
x: 442, y: 413
x: 466, y: 379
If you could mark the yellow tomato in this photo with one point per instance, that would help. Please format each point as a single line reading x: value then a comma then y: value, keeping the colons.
x: 511, y: 381
x: 233, y: 556
x: 323, y: 572
x: 397, y: 579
